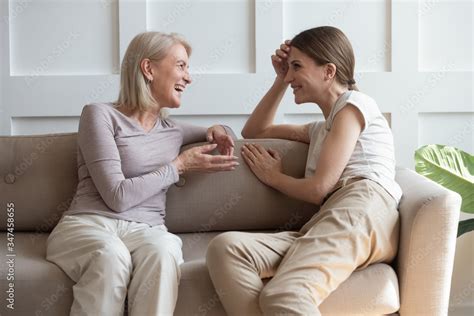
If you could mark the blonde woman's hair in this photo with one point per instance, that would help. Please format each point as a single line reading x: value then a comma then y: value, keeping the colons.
x: 135, y: 93
x: 327, y: 44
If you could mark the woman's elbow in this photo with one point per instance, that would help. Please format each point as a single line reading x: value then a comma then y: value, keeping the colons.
x: 117, y: 201
x: 317, y: 200
x: 246, y: 133
x: 317, y: 195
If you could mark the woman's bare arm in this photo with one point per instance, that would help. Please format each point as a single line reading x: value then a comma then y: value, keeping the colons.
x: 335, y: 154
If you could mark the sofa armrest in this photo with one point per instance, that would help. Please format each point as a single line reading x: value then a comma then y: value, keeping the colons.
x: 429, y: 216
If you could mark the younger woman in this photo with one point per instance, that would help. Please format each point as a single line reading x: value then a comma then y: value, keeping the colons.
x: 350, y: 173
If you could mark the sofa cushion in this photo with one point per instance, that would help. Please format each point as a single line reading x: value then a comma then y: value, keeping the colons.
x: 41, y: 288
x: 237, y: 200
x: 372, y: 291
x: 196, y: 292
x: 39, y: 175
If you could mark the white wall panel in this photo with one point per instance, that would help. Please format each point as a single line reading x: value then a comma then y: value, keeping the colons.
x: 57, y: 37
x: 302, y: 118
x: 268, y: 31
x: 221, y: 32
x: 44, y: 125
x: 4, y: 68
x: 446, y: 35
x: 404, y: 35
x: 453, y: 129
x: 367, y: 24
x: 3, y: 60
x: 132, y: 20
x: 236, y: 122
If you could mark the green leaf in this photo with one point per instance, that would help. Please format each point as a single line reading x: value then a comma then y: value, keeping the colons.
x: 451, y: 168
x: 465, y: 226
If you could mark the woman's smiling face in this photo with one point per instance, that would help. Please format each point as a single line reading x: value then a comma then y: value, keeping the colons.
x: 305, y: 77
x: 170, y: 77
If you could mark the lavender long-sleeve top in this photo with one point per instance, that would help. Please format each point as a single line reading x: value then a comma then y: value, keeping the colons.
x: 124, y: 172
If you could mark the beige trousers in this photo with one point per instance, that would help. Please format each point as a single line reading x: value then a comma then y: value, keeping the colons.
x: 356, y: 226
x: 106, y: 257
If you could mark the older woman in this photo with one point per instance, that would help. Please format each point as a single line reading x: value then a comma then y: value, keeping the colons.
x: 350, y: 173
x: 113, y: 239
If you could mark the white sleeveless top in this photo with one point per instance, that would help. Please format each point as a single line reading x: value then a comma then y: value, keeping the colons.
x: 373, y: 157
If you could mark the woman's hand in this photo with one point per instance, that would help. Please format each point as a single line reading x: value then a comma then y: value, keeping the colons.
x: 265, y: 164
x: 280, y: 60
x: 197, y: 159
x: 216, y: 134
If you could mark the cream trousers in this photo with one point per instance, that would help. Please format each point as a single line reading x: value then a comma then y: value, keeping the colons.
x: 356, y: 226
x: 108, y: 258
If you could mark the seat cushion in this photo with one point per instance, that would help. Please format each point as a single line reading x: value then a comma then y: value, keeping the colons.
x: 41, y: 288
x: 196, y: 292
x: 370, y: 291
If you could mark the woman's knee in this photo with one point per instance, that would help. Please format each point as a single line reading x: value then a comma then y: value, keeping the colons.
x: 273, y: 299
x: 266, y: 298
x: 112, y: 254
x: 219, y: 247
x: 287, y: 300
x: 110, y: 259
x: 159, y: 253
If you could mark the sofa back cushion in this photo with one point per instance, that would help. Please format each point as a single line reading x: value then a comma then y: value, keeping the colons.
x: 237, y: 200
x: 39, y: 176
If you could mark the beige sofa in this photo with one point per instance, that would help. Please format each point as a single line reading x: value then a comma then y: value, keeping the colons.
x: 38, y: 178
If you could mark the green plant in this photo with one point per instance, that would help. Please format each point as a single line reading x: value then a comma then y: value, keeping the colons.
x: 453, y: 169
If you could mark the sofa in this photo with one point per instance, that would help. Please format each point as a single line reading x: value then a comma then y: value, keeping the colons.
x: 38, y: 178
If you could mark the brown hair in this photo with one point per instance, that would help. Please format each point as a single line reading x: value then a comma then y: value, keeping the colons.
x: 327, y: 44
